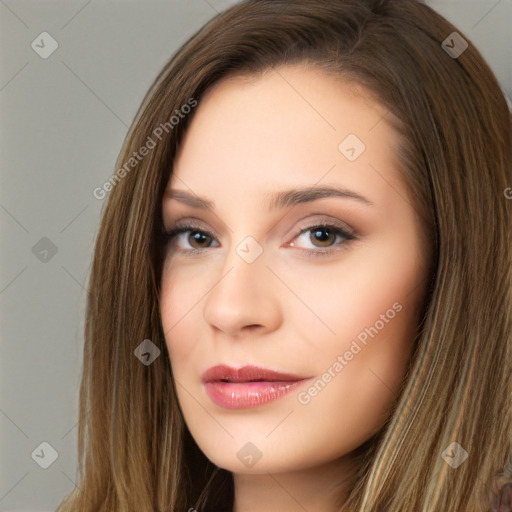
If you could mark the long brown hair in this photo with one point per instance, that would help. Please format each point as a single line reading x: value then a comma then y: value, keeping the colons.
x: 135, y: 451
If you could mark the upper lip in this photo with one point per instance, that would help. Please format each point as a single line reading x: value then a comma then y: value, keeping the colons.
x: 246, y: 373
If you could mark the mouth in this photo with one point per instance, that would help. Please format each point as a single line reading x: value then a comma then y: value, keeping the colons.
x: 248, y: 386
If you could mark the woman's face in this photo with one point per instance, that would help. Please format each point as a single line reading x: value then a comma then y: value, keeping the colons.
x: 280, y: 272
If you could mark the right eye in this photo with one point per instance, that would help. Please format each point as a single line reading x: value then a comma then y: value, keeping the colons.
x: 191, y: 234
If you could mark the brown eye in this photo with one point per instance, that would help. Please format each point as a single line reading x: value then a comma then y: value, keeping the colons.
x: 191, y: 236
x: 325, y: 236
x: 323, y: 239
x: 200, y: 238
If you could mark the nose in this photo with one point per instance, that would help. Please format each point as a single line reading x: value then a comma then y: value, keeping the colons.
x: 243, y: 298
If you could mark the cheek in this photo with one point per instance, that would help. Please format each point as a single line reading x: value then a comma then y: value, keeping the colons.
x: 179, y: 306
x: 370, y: 316
x: 378, y: 287
x: 373, y: 309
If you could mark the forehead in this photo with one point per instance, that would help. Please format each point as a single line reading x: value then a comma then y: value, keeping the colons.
x: 289, y: 126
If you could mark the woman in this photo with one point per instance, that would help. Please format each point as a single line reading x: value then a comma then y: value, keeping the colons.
x: 380, y: 343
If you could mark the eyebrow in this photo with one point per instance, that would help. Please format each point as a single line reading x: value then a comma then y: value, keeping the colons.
x: 283, y: 199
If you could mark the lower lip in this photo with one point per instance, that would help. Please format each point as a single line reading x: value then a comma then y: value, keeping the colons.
x: 239, y: 395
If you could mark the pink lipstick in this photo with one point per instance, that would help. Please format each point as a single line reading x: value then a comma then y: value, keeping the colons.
x: 248, y: 386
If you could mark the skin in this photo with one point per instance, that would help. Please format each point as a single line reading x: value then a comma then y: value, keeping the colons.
x: 287, y: 310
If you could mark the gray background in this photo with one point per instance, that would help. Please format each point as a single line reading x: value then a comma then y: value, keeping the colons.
x: 63, y: 120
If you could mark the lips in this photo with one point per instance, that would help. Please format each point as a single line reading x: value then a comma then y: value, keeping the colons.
x: 249, y: 386
x: 247, y: 373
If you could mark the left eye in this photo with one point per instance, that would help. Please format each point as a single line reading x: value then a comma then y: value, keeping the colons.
x: 324, y: 235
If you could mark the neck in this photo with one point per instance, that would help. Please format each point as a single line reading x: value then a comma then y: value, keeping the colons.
x: 318, y: 489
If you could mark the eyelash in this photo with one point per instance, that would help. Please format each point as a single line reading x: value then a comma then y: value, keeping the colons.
x: 169, y: 236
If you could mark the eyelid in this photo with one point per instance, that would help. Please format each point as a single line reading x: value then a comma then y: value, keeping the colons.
x: 189, y: 222
x: 322, y: 220
x: 308, y: 223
